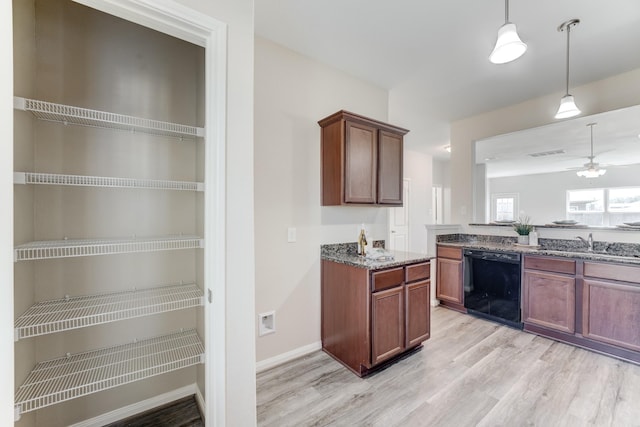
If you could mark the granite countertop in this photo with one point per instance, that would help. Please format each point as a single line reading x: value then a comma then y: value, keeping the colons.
x: 577, y: 254
x: 346, y: 253
x: 399, y: 259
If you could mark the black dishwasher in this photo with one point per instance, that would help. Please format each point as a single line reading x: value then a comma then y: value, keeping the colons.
x: 492, y: 285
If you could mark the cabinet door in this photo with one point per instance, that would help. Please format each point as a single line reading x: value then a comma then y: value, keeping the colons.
x: 449, y: 280
x: 389, y: 168
x: 549, y: 300
x: 611, y: 313
x: 387, y: 324
x: 418, y: 313
x: 360, y: 163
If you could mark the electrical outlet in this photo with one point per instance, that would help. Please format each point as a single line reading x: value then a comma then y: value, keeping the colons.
x: 267, y: 323
x: 291, y: 234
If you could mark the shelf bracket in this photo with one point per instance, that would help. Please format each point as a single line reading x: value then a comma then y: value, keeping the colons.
x: 19, y: 103
x: 19, y: 178
x: 16, y: 413
x: 209, y: 296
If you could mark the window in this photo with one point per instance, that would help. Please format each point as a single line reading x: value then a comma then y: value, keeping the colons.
x: 504, y: 207
x: 604, y: 206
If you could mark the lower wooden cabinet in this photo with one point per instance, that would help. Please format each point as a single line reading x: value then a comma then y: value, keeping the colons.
x: 595, y: 305
x: 387, y: 324
x: 370, y: 317
x: 549, y: 297
x: 418, y: 315
x: 611, y: 305
x: 449, y: 285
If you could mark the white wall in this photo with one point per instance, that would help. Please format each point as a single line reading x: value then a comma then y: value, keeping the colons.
x: 409, y: 112
x: 543, y: 196
x: 442, y: 178
x: 292, y: 93
x: 417, y: 168
x: 612, y: 93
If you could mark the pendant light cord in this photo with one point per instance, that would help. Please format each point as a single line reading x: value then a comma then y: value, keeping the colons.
x: 568, y: 34
x: 506, y: 11
x: 591, y: 127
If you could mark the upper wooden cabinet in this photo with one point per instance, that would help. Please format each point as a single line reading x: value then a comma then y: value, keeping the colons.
x: 361, y: 161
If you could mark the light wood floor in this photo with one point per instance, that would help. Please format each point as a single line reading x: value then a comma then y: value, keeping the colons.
x: 471, y: 372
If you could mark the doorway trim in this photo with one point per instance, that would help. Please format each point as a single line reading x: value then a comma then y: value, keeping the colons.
x: 406, y: 185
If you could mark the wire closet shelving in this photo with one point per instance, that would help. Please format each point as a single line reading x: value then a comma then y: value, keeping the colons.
x: 48, y: 317
x: 68, y: 114
x: 66, y: 378
x: 70, y: 248
x: 104, y: 181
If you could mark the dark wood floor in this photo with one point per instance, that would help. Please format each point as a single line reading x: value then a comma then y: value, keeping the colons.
x: 471, y: 372
x: 181, y: 413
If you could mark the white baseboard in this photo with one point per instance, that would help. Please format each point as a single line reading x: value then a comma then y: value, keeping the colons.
x: 201, y: 404
x: 145, y: 405
x: 274, y: 361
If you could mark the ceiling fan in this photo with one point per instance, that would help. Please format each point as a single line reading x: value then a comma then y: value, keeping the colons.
x: 591, y: 168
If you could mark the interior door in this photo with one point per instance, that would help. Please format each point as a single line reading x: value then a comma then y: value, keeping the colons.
x: 399, y: 222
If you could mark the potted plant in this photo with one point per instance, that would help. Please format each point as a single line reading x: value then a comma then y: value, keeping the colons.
x: 523, y: 227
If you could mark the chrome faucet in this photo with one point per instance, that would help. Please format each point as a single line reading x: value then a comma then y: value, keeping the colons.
x: 588, y: 241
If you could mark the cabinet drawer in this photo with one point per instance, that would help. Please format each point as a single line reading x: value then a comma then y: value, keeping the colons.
x: 387, y: 279
x: 448, y: 252
x: 555, y: 265
x: 417, y: 272
x: 623, y: 273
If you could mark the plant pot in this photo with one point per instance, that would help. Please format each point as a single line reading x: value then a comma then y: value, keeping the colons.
x: 523, y: 239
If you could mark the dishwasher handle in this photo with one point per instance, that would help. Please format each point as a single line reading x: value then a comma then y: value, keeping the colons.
x: 508, y: 257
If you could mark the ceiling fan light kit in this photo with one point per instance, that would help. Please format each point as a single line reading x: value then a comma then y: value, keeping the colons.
x: 568, y: 107
x: 508, y: 46
x: 591, y: 173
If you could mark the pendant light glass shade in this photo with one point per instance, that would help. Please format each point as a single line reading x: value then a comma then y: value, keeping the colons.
x: 508, y: 46
x: 568, y: 108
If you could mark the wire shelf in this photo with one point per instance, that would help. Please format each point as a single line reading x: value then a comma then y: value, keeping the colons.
x: 77, y: 375
x: 85, y: 117
x: 52, y: 316
x: 103, y: 181
x: 91, y: 247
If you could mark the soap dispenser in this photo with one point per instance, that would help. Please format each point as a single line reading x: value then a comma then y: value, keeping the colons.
x: 362, y: 242
x: 533, y: 237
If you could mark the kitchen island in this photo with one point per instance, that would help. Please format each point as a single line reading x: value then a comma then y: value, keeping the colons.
x: 374, y: 312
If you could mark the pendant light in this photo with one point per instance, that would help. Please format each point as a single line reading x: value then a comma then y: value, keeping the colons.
x: 568, y: 107
x: 508, y: 46
x: 592, y: 170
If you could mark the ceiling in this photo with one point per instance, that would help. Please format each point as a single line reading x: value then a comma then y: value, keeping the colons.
x: 437, y: 51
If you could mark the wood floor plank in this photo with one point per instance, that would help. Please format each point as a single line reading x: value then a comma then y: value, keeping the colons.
x: 181, y: 413
x: 471, y: 372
